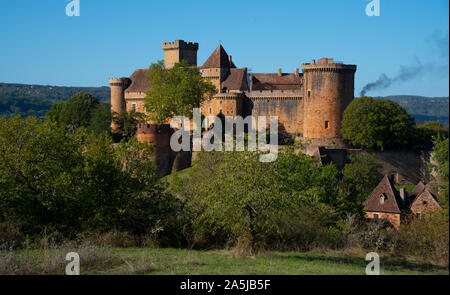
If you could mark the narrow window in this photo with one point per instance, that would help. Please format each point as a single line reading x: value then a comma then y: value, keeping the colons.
x: 309, y: 93
x: 210, y: 110
x: 327, y: 124
x: 133, y: 106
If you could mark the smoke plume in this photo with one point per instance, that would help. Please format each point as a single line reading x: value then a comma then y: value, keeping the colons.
x: 417, y: 68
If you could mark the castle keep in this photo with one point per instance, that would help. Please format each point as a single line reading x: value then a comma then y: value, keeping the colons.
x: 308, y: 104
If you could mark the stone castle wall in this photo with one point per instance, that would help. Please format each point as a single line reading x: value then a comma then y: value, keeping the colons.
x: 288, y: 110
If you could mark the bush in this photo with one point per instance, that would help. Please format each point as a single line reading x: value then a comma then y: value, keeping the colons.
x: 68, y: 182
x: 426, y: 237
x: 374, y: 235
x: 233, y: 199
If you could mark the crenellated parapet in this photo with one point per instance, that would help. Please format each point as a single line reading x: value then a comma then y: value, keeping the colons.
x: 120, y: 82
x: 179, y: 50
x: 180, y: 44
x: 327, y: 65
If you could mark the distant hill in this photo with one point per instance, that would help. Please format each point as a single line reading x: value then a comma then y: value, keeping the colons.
x: 424, y: 108
x: 35, y: 100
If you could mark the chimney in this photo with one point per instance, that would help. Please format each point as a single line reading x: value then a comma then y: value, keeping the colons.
x: 313, y: 61
x: 279, y: 72
x: 403, y: 194
x: 229, y: 59
x: 296, y: 72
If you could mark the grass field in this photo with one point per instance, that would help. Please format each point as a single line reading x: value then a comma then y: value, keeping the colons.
x: 180, y: 261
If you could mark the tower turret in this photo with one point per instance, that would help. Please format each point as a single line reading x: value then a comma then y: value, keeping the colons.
x: 118, y: 86
x: 179, y: 50
x: 329, y: 88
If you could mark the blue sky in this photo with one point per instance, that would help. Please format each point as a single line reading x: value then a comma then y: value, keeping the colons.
x: 41, y: 45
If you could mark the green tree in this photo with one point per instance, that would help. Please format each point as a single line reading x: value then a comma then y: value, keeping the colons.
x: 54, y: 113
x: 100, y: 121
x: 127, y: 123
x: 175, y: 91
x: 233, y: 198
x: 73, y: 181
x: 377, y: 124
x: 359, y: 178
x: 77, y: 111
x: 426, y: 132
x: 441, y: 156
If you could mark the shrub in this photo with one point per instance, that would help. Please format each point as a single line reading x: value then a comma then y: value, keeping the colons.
x: 69, y: 182
x: 233, y: 199
x: 426, y: 237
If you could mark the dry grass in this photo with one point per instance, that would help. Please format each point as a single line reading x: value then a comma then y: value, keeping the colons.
x: 52, y: 260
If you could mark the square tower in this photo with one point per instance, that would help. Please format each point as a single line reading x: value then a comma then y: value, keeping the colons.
x: 179, y: 50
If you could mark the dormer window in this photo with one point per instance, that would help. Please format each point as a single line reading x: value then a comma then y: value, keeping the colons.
x: 383, y: 198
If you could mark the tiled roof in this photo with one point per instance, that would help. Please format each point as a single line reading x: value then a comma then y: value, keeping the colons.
x: 236, y: 80
x: 425, y: 195
x: 392, y: 202
x: 274, y: 81
x: 218, y: 59
x: 139, y: 82
x: 420, y: 187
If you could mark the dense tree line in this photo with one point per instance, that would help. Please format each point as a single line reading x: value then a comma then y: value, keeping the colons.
x: 36, y: 100
x: 383, y: 124
x: 70, y: 181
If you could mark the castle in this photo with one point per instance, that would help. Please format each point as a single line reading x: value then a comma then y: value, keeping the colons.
x: 309, y: 105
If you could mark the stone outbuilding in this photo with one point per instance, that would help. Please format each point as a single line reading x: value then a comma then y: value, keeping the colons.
x: 387, y: 203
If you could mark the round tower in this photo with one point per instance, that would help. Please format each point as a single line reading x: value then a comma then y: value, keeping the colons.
x: 118, y: 105
x: 329, y: 88
x: 158, y: 136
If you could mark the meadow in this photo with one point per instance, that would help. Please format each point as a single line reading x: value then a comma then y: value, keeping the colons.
x: 170, y: 261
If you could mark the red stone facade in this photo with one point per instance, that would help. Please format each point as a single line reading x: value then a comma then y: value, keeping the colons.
x: 308, y: 104
x: 387, y: 203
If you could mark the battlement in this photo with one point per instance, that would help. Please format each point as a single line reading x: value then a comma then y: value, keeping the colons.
x: 180, y: 44
x: 154, y: 129
x: 123, y: 82
x: 327, y: 65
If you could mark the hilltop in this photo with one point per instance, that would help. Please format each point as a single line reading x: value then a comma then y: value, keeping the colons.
x: 424, y: 108
x: 35, y: 100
